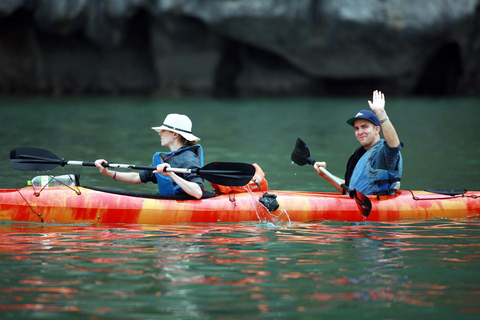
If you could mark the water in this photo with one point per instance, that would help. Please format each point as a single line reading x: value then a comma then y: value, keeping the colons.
x: 251, y: 270
x: 241, y: 271
x: 440, y: 136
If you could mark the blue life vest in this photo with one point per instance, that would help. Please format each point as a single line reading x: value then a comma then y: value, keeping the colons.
x: 369, y: 180
x: 166, y: 185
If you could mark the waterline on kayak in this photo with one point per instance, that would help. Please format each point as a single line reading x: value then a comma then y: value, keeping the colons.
x: 265, y: 215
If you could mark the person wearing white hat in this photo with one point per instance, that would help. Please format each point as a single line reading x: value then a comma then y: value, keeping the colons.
x: 176, y: 134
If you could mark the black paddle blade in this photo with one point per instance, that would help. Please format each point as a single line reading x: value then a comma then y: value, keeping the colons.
x: 231, y: 174
x: 301, y: 154
x: 363, y: 202
x: 34, y: 159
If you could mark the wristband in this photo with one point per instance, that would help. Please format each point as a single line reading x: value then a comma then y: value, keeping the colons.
x: 384, y: 120
x: 114, y: 175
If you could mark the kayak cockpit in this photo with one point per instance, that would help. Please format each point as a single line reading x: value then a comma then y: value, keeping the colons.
x: 206, y: 194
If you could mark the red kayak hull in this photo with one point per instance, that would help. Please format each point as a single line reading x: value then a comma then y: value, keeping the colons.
x: 83, y: 205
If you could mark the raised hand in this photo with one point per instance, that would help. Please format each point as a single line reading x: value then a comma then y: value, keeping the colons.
x: 378, y: 104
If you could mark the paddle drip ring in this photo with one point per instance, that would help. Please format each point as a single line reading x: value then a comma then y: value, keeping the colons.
x: 269, y: 201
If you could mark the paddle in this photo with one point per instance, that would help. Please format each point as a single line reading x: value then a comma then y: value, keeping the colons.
x: 233, y: 174
x: 301, y: 156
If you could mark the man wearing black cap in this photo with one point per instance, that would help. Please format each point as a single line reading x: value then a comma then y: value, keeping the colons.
x: 376, y: 166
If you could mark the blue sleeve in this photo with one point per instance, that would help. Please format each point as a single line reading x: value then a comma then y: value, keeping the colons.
x: 387, y: 157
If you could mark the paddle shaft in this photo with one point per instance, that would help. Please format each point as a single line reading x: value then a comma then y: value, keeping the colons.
x: 233, y: 174
x: 362, y: 201
x: 124, y: 166
x: 335, y: 179
x: 151, y: 168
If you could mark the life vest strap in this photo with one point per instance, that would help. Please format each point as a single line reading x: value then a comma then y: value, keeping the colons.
x: 386, y: 181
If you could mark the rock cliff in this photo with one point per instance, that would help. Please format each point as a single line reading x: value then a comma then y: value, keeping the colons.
x: 240, y: 47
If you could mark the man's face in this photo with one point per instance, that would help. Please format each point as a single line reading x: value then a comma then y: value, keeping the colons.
x: 366, y: 132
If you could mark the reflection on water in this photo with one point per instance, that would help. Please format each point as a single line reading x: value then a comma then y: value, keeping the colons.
x: 241, y: 270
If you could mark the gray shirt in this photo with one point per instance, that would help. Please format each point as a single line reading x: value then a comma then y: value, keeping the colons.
x: 186, y: 159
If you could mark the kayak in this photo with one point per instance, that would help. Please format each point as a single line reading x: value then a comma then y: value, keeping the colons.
x: 77, y: 204
x: 239, y: 197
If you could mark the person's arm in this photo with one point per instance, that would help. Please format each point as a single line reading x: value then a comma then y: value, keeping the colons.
x: 129, y: 177
x: 378, y: 107
x: 189, y: 187
x: 323, y: 175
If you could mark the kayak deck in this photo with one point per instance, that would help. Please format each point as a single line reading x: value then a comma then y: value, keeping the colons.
x: 85, y: 205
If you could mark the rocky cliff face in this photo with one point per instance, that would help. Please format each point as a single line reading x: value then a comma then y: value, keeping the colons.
x: 240, y: 47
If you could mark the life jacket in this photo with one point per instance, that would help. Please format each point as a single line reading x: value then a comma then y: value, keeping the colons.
x: 373, y: 181
x: 352, y: 162
x: 166, y: 185
x: 257, y: 183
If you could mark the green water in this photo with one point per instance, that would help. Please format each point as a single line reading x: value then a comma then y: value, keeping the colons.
x: 327, y: 270
x: 440, y: 136
x: 241, y: 271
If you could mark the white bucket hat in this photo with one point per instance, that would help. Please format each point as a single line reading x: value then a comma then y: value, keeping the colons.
x: 180, y: 124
